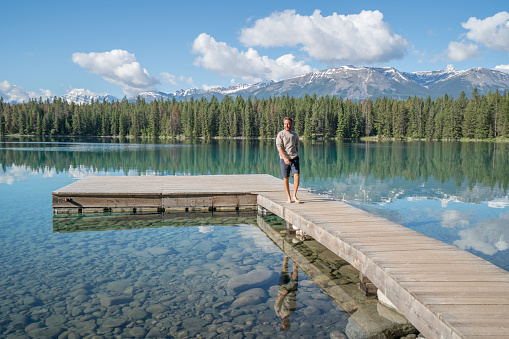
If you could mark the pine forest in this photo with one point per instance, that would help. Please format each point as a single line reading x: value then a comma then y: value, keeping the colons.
x: 479, y: 117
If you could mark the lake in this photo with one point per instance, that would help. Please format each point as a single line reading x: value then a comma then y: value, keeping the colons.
x: 59, y: 283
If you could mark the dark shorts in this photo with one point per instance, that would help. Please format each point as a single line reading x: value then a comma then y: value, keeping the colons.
x: 286, y: 169
x: 287, y: 282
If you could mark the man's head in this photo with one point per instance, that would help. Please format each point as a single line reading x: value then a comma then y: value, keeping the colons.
x: 285, y: 324
x: 288, y: 123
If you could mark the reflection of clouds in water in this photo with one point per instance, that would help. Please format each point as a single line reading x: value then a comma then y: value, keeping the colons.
x: 6, y: 178
x: 49, y: 172
x: 252, y: 233
x: 135, y: 173
x: 205, y: 229
x: 82, y: 172
x: 499, y: 203
x: 132, y: 173
x: 454, y: 218
x: 357, y: 187
x: 502, y: 245
x: 487, y: 237
x: 17, y: 173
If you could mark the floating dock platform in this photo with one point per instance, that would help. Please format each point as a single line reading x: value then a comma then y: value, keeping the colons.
x: 443, y: 291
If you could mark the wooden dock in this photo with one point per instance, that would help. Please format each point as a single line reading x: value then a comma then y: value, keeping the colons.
x: 443, y: 291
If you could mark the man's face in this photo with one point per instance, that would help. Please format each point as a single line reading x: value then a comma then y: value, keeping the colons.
x: 288, y: 125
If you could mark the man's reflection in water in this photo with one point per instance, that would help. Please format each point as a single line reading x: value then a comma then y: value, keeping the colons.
x: 286, y: 301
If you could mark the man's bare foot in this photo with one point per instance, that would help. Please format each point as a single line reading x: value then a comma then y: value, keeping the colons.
x: 289, y: 201
x: 296, y: 200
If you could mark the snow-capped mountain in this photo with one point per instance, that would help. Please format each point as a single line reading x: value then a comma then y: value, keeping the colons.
x: 430, y: 77
x: 217, y: 91
x: 483, y: 79
x: 359, y: 83
x: 353, y: 82
x: 151, y: 96
x: 82, y: 96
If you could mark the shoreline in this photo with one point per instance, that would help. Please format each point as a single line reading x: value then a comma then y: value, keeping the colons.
x: 369, y: 139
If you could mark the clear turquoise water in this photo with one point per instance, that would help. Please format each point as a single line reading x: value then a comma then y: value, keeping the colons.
x: 455, y: 192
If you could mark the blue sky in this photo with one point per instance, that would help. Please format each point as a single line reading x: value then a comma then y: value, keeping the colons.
x: 127, y: 47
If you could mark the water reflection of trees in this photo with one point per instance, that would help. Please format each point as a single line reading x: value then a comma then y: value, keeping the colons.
x: 473, y: 162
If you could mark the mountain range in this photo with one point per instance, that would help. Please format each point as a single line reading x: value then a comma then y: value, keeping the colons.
x: 356, y: 83
x: 359, y: 83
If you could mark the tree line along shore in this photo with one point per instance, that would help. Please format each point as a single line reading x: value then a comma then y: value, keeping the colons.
x: 481, y: 117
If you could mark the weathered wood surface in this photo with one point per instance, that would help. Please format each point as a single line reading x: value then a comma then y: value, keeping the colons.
x: 95, y: 194
x: 444, y: 291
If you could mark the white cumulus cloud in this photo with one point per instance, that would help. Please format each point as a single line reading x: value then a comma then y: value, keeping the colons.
x: 220, y: 58
x: 502, y: 68
x: 333, y: 40
x: 172, y: 79
x: 169, y: 78
x: 17, y: 93
x: 118, y: 67
x: 458, y: 51
x: 492, y: 32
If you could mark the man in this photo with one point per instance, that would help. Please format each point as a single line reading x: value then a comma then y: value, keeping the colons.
x: 286, y: 301
x: 287, y: 143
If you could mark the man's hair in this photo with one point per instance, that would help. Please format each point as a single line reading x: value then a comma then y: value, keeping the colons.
x: 285, y: 325
x: 288, y: 118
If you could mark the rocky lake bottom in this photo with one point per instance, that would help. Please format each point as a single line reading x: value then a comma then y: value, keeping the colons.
x: 205, y: 278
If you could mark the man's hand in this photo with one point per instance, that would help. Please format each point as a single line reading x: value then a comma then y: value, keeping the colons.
x: 287, y: 161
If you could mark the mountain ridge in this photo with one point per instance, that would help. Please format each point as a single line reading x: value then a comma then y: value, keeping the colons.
x: 352, y: 82
x: 359, y: 83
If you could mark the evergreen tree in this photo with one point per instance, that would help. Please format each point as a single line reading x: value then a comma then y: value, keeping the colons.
x: 248, y: 119
x: 484, y: 117
x: 341, y: 130
x: 481, y: 116
x: 367, y: 114
x: 505, y: 117
x: 2, y: 119
x: 153, y: 129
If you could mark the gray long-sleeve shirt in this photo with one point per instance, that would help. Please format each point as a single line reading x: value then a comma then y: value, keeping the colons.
x: 289, y: 142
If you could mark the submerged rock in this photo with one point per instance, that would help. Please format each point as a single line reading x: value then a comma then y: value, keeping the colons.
x: 158, y: 250
x: 119, y: 286
x: 136, y: 314
x: 137, y: 332
x: 253, y: 296
x: 45, y: 332
x: 252, y: 279
x: 111, y: 301
x: 156, y: 309
x: 113, y: 322
x: 368, y: 323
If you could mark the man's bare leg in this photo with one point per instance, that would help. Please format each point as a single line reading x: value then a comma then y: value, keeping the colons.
x: 295, y: 272
x: 286, y: 182
x: 295, y: 187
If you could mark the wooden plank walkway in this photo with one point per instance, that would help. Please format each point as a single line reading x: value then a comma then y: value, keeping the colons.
x: 149, y: 193
x: 444, y: 291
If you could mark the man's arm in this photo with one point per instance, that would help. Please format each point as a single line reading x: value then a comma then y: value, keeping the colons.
x: 283, y: 155
x: 280, y: 148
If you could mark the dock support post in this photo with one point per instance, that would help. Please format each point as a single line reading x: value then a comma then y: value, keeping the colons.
x: 289, y: 228
x: 263, y: 211
x: 367, y: 286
